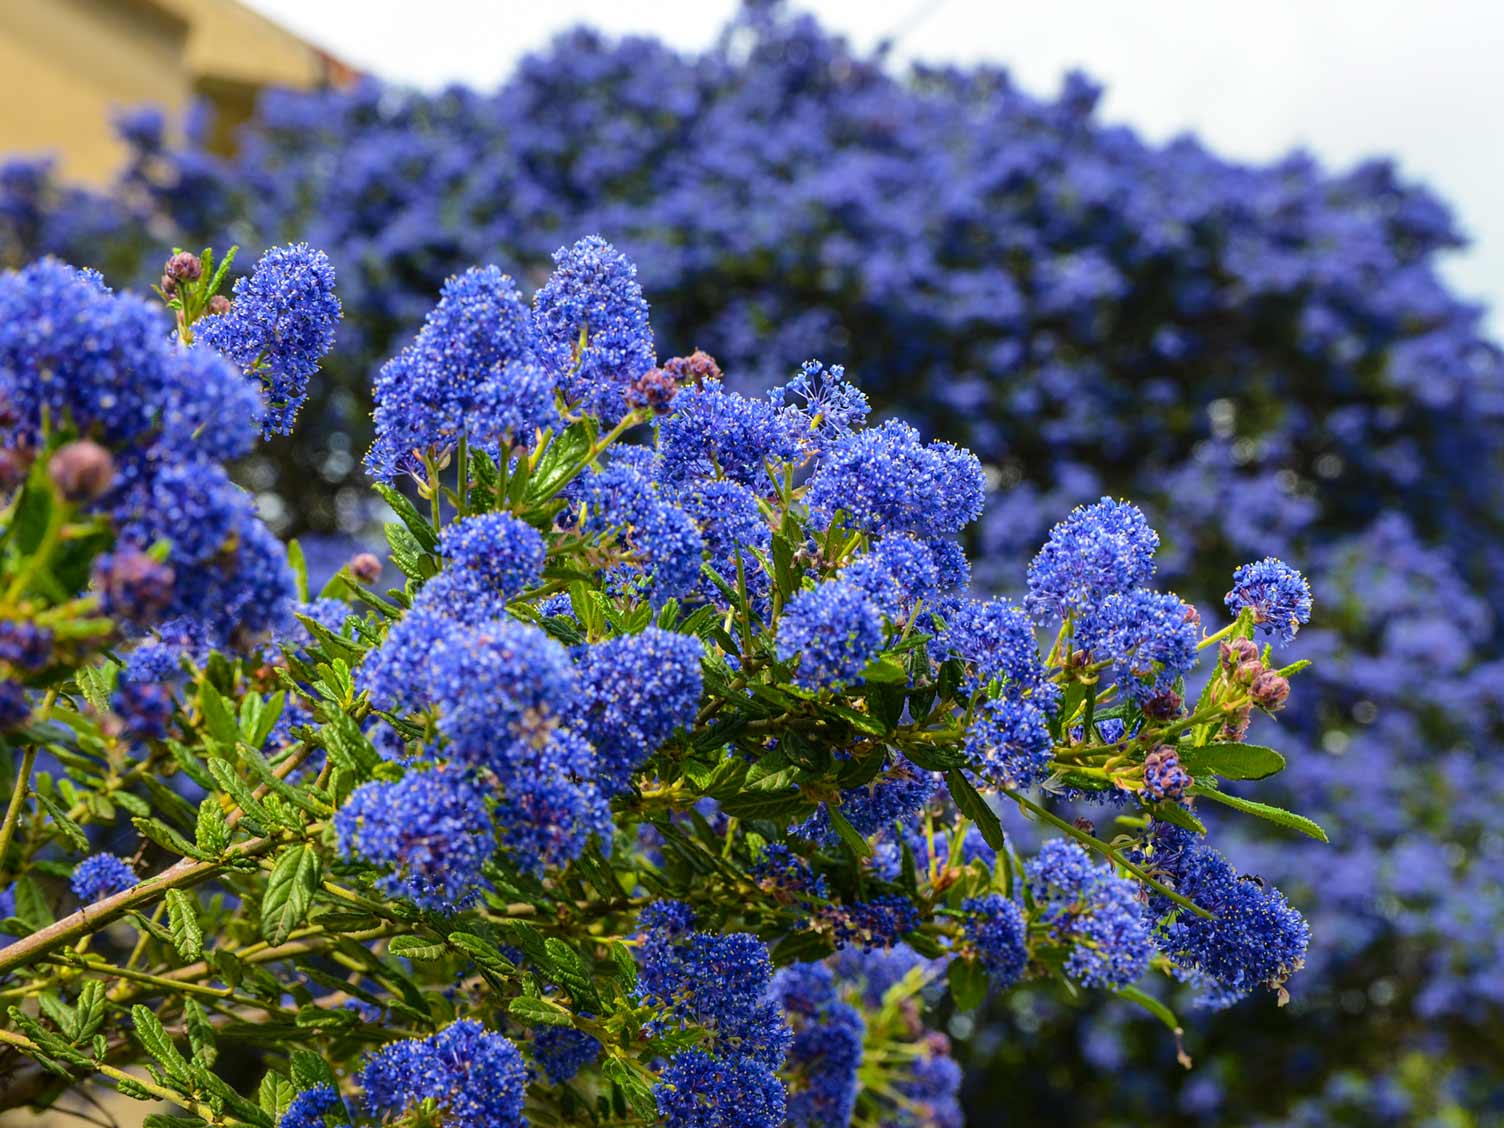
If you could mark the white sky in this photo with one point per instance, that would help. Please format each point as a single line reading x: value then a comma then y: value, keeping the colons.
x: 1418, y: 79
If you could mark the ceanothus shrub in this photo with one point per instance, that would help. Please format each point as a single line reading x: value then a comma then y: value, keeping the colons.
x: 607, y: 814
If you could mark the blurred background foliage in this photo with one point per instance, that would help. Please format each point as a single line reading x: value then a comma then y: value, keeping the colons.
x: 1264, y: 357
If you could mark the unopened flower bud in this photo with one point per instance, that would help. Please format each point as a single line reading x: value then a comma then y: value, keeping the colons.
x: 132, y: 585
x: 1238, y: 651
x: 219, y: 304
x: 82, y: 470
x: 695, y: 368
x: 1163, y: 705
x: 1081, y: 822
x: 655, y: 388
x: 1164, y: 778
x: 13, y: 467
x: 1270, y: 691
x: 168, y: 285
x: 365, y: 567
x: 184, y: 267
x: 1235, y: 728
x: 1248, y: 671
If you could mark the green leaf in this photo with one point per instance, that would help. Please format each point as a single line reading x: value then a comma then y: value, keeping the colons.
x: 562, y: 460
x: 200, y: 1032
x: 482, y: 952
x: 299, y: 566
x: 218, y: 718
x: 1276, y: 815
x: 1172, y: 812
x: 212, y: 832
x: 417, y: 524
x: 66, y: 826
x: 169, y: 839
x: 765, y: 804
x: 289, y: 892
x: 848, y: 833
x: 155, y: 1040
x: 539, y: 1012
x: 1152, y: 1005
x: 416, y: 948
x: 968, y: 983
x: 90, y: 1010
x: 1232, y: 761
x: 182, y: 918
x: 971, y: 804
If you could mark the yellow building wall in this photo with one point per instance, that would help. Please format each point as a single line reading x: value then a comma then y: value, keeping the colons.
x: 66, y: 66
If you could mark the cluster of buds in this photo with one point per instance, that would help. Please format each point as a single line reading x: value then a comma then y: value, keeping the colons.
x: 1266, y: 688
x: 184, y: 266
x: 82, y: 471
x: 1164, y: 777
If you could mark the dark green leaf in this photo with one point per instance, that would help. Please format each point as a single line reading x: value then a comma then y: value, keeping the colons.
x: 289, y: 892
x: 1232, y: 761
x: 968, y: 983
x: 973, y: 806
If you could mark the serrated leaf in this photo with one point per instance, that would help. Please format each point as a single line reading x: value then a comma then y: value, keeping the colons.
x: 65, y: 825
x: 289, y: 892
x: 212, y: 831
x: 169, y: 839
x: 200, y: 1032
x: 218, y: 719
x: 182, y: 919
x: 415, y: 948
x: 1276, y: 815
x: 765, y: 804
x: 539, y: 1012
x: 156, y: 1041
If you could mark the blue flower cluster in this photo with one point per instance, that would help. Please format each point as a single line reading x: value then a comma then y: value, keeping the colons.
x: 995, y: 928
x: 75, y: 357
x: 279, y: 327
x: 1096, y: 911
x: 724, y: 985
x: 1256, y: 938
x: 831, y: 631
x: 474, y: 1075
x: 470, y: 374
x: 826, y: 1052
x: 1277, y: 594
x: 431, y: 828
x: 100, y: 875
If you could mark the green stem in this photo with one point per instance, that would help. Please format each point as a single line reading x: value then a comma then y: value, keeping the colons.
x: 13, y: 811
x: 462, y: 492
x: 1094, y: 843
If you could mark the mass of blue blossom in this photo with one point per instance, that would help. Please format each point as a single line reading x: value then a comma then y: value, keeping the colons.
x: 667, y: 784
x: 1264, y: 359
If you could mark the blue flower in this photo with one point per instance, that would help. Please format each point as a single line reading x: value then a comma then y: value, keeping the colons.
x: 310, y: 1108
x: 1094, y: 911
x: 279, y: 326
x: 476, y: 1077
x: 1008, y: 743
x: 897, y: 573
x: 698, y: 1090
x: 1257, y: 938
x: 431, y: 829
x: 1278, y: 595
x: 1099, y: 550
x: 490, y: 559
x: 885, y: 480
x: 590, y: 322
x: 101, y: 875
x: 715, y: 433
x: 470, y: 373
x: 563, y: 1051
x: 1150, y: 637
x: 826, y: 1052
x: 995, y: 641
x: 731, y: 524
x: 635, y: 690
x: 832, y: 631
x: 995, y: 928
x: 827, y: 405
